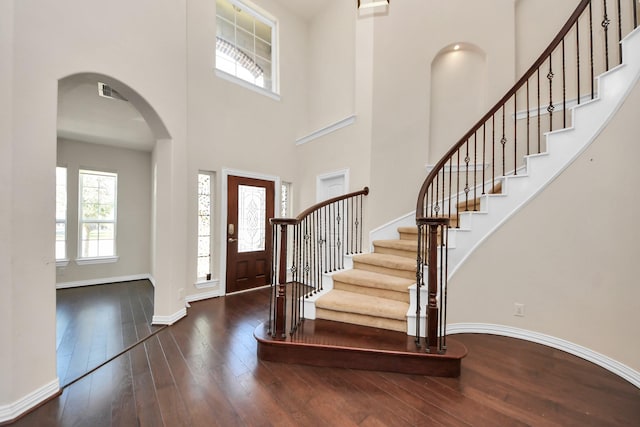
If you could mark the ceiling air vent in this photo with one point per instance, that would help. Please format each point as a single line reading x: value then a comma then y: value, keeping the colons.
x: 108, y: 92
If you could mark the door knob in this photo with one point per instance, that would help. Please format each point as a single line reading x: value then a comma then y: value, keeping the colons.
x: 231, y: 240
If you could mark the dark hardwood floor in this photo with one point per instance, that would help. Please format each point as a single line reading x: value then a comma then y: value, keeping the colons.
x: 203, y: 371
x: 95, y: 323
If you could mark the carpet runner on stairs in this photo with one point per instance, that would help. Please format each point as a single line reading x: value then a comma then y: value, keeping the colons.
x: 375, y: 292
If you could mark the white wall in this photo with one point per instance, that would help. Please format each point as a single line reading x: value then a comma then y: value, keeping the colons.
x: 6, y: 196
x: 331, y: 64
x: 406, y: 43
x: 232, y: 127
x: 570, y: 255
x: 537, y: 23
x: 143, y: 47
x: 133, y: 232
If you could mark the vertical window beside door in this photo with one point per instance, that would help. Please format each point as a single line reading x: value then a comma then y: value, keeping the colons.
x: 205, y: 238
x: 97, y: 214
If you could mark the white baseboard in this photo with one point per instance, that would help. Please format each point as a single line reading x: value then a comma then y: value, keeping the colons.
x: 104, y: 280
x: 14, y: 410
x: 171, y: 319
x: 215, y: 292
x: 606, y: 362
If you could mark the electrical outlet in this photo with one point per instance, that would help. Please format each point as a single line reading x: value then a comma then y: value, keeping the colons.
x: 518, y: 310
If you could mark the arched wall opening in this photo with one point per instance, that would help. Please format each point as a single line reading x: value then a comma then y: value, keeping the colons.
x: 459, y: 86
x: 119, y: 133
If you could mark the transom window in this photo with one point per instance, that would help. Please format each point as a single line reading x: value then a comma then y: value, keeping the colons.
x: 97, y: 214
x: 245, y: 44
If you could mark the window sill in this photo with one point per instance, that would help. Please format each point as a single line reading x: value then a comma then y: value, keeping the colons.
x: 97, y: 260
x: 204, y: 284
x: 247, y: 85
x: 62, y: 262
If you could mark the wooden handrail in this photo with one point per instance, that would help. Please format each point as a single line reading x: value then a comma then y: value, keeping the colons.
x: 502, y: 139
x: 318, y: 206
x: 306, y: 247
x: 530, y: 72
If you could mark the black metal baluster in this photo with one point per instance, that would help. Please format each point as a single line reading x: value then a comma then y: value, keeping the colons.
x: 515, y: 133
x: 493, y: 150
x: 539, y: 112
x: 593, y: 92
x: 458, y: 191
x: 484, y: 159
x: 352, y: 225
x: 550, y: 108
x: 467, y: 159
x: 418, y: 283
x: 503, y: 142
x: 578, y: 57
x: 564, y: 90
x: 605, y: 26
x: 450, y: 184
x: 475, y: 168
x: 620, y: 33
x: 528, y: 122
x: 361, y: 223
x: 437, y: 187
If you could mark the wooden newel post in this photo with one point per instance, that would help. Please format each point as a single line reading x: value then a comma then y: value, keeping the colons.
x: 432, y: 280
x: 281, y: 297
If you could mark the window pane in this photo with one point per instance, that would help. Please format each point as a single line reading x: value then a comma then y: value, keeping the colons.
x: 97, y: 214
x: 251, y: 218
x: 61, y: 193
x: 203, y: 266
x: 204, y: 225
x: 225, y: 30
x: 244, y: 21
x: 61, y: 240
x: 225, y: 10
x: 203, y: 246
x: 263, y: 49
x: 242, y: 37
x: 263, y: 31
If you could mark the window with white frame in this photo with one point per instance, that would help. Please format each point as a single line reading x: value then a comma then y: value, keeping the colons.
x: 97, y: 214
x: 205, y: 236
x: 61, y: 213
x: 245, y: 44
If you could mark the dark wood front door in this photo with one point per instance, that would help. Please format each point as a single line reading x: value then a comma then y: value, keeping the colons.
x: 250, y: 204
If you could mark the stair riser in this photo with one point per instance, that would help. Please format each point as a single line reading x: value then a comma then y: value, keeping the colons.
x: 359, y: 319
x: 397, y: 252
x: 382, y: 293
x: 385, y: 270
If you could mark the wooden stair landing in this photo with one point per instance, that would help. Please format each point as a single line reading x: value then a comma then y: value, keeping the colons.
x: 342, y: 345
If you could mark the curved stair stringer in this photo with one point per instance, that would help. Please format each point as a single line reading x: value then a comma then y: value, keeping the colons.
x: 564, y: 146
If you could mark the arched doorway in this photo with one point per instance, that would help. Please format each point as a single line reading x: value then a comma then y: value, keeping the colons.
x: 107, y: 137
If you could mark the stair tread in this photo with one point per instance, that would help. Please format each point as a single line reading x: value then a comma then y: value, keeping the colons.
x: 408, y: 230
x: 406, y: 245
x: 371, y: 279
x: 386, y: 260
x: 350, y: 302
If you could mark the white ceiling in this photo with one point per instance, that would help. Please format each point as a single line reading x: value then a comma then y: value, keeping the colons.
x: 85, y: 116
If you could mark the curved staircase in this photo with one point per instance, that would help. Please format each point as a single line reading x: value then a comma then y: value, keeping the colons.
x: 377, y: 291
